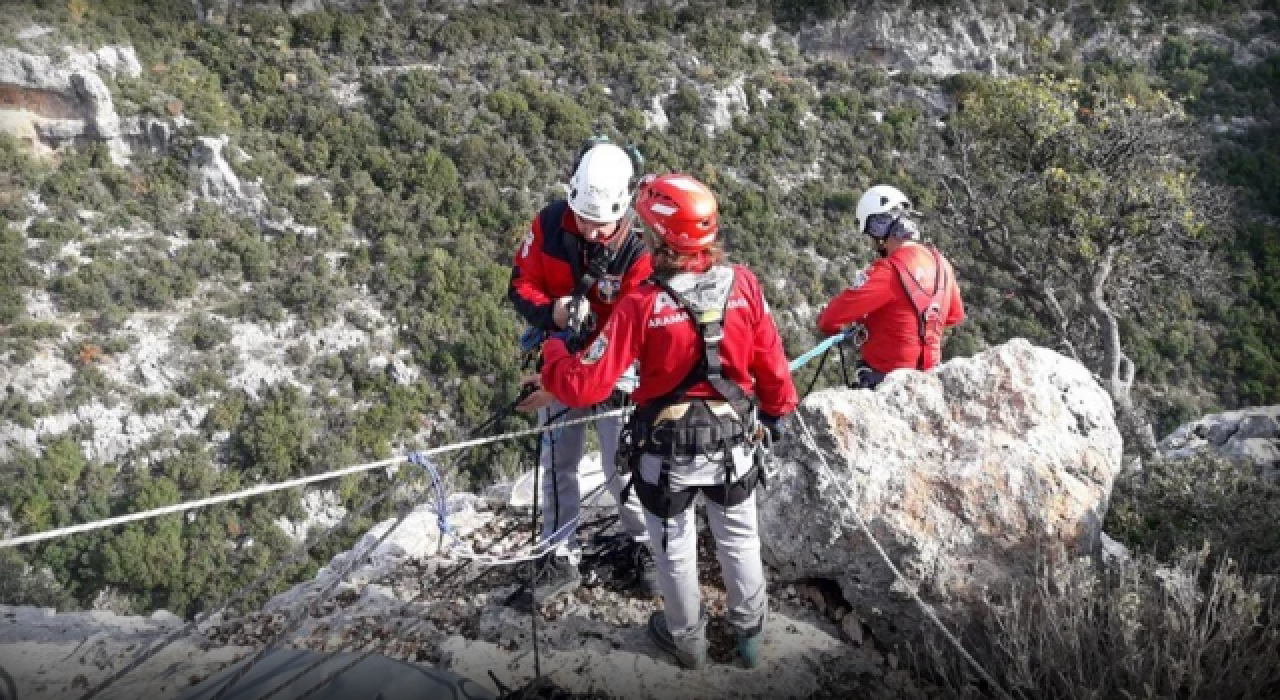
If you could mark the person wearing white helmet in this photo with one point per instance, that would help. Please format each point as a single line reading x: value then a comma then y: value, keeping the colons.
x: 579, y: 257
x: 904, y: 299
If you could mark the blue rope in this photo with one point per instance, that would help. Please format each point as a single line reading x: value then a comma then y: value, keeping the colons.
x: 442, y: 498
x: 817, y: 350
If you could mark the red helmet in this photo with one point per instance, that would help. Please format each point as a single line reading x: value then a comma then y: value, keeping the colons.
x: 679, y: 210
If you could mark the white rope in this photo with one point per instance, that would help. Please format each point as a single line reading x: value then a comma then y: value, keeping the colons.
x: 292, y: 483
x: 928, y: 609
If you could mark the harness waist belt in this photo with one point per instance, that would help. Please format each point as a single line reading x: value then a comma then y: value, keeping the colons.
x: 676, y: 412
x: 694, y: 440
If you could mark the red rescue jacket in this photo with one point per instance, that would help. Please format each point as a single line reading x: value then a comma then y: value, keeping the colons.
x: 880, y: 299
x: 650, y: 326
x: 550, y: 261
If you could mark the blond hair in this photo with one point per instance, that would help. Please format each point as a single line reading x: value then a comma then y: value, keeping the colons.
x: 667, y: 262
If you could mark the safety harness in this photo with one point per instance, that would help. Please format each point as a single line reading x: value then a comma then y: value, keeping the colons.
x: 679, y: 431
x: 931, y: 307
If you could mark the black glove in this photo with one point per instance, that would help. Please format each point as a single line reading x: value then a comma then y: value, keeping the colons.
x: 773, y: 424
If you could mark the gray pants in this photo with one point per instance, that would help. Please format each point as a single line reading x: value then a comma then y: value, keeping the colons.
x: 737, y: 547
x: 562, y: 449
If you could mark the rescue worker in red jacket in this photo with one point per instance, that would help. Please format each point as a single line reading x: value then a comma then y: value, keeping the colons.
x: 711, y: 365
x: 582, y: 249
x: 904, y: 299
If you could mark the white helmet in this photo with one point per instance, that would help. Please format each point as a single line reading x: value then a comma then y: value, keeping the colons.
x: 600, y: 189
x: 878, y: 200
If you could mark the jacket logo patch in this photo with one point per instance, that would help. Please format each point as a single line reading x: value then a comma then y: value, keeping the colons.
x: 596, y: 351
x: 660, y: 319
x: 607, y: 287
x: 662, y: 302
x: 859, y: 279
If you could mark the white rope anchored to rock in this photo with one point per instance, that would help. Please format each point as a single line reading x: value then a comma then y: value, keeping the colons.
x: 291, y: 483
x: 911, y: 588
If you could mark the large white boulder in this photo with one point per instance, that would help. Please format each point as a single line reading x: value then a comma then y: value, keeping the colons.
x: 968, y: 475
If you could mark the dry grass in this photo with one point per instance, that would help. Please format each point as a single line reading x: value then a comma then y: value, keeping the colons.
x: 1139, y: 629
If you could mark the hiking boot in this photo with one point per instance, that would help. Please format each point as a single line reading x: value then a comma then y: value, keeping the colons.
x: 556, y: 576
x: 749, y: 648
x: 646, y: 572
x: 662, y: 636
x: 749, y: 643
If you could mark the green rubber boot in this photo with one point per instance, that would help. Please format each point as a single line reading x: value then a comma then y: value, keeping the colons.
x: 749, y: 648
x: 749, y: 643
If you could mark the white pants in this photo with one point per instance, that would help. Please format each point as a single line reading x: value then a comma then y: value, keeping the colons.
x: 562, y: 449
x: 737, y: 548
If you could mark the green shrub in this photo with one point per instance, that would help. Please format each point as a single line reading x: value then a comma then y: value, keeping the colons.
x: 225, y: 413
x: 272, y: 437
x: 16, y: 409
x: 20, y: 585
x: 15, y: 273
x: 1224, y: 503
x: 202, y: 381
x: 55, y: 232
x: 203, y: 332
x: 36, y: 330
x: 147, y: 404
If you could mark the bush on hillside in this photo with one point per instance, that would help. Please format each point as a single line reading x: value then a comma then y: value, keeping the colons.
x: 1209, y: 500
x: 203, y: 332
x: 21, y: 585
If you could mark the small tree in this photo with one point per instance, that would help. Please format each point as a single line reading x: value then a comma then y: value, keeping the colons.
x: 1090, y: 206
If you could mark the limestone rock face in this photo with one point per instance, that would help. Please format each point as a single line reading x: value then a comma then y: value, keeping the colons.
x: 57, y: 102
x: 323, y: 509
x: 968, y: 476
x: 1251, y: 434
x: 968, y: 36
x: 917, y: 40
x: 213, y: 178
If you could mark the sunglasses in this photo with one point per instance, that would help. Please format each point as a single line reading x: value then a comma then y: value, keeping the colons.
x: 894, y: 223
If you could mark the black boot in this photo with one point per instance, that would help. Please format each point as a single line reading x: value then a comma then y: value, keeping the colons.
x: 646, y: 572
x: 556, y: 576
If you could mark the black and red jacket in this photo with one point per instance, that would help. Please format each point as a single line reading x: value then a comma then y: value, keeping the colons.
x: 552, y: 260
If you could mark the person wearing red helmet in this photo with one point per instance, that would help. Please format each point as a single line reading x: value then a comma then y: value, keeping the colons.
x: 904, y: 299
x: 578, y: 259
x: 713, y: 379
